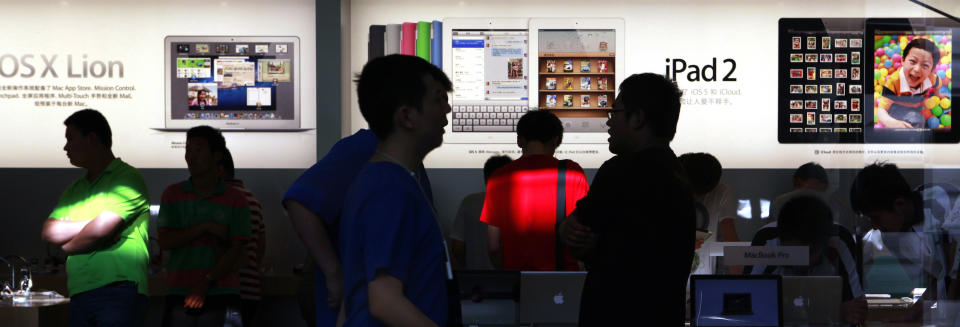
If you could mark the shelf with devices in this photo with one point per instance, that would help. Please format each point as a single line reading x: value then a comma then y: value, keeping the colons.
x: 577, y: 84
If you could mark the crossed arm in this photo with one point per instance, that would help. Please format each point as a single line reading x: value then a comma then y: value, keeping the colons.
x: 175, y: 238
x: 77, y: 237
x: 579, y: 238
x: 179, y: 237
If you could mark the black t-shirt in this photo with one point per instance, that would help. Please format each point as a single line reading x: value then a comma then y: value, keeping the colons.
x: 643, y: 210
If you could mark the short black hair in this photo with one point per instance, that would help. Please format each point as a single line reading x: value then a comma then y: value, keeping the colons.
x: 227, y: 163
x: 540, y: 125
x: 811, y: 170
x: 877, y: 187
x: 703, y: 170
x: 389, y: 82
x: 214, y: 138
x: 806, y: 219
x: 494, y: 163
x: 659, y: 99
x: 927, y: 45
x: 91, y: 121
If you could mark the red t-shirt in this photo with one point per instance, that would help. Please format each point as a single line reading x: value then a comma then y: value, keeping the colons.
x: 521, y: 200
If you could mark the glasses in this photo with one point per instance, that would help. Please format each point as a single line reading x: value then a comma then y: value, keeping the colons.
x: 612, y: 111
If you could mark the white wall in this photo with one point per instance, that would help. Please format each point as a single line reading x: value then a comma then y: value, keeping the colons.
x: 742, y: 134
x: 132, y: 32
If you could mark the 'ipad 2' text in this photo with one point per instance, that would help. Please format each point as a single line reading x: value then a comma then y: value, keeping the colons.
x: 697, y: 73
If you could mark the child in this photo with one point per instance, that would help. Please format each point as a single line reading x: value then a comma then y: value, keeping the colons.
x: 904, y: 92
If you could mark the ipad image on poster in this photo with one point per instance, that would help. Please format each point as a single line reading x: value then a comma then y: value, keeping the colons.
x: 596, y: 48
x: 487, y: 59
x: 909, y: 61
x: 242, y: 83
x: 820, y: 90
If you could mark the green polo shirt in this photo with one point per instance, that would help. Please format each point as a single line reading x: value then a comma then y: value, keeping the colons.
x: 119, y: 189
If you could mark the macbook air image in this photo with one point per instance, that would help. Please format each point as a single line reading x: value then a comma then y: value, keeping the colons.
x: 248, y: 83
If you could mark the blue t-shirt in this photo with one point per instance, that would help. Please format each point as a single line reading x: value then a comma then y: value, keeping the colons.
x: 322, y: 189
x: 388, y: 224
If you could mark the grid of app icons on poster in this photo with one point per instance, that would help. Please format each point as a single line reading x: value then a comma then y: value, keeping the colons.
x: 824, y: 83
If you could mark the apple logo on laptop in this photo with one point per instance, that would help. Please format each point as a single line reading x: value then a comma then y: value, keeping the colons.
x: 799, y: 302
x: 558, y: 299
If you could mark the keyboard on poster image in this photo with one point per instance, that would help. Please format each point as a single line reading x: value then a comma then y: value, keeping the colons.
x: 479, y: 118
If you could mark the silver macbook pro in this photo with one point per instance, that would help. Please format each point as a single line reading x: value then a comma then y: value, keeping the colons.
x: 551, y: 298
x: 812, y: 300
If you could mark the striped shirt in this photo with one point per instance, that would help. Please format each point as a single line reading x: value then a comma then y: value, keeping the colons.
x: 182, y: 207
x: 250, y: 272
x: 897, y: 91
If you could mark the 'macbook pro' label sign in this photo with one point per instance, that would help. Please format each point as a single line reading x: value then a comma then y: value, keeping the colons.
x: 766, y: 255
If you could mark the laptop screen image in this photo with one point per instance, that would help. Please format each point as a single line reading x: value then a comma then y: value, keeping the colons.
x: 232, y: 82
x: 735, y: 300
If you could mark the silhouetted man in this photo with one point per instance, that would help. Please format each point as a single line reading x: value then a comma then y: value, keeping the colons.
x: 204, y: 223
x: 635, y: 228
x: 468, y: 238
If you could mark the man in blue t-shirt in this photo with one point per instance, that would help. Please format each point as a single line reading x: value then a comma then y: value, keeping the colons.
x: 394, y: 257
x: 314, y: 203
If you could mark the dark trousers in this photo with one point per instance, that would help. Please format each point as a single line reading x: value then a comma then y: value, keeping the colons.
x: 213, y: 313
x: 249, y: 311
x: 116, y: 304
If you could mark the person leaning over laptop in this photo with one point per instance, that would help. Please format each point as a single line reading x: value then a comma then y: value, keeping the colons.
x: 920, y: 227
x: 808, y: 221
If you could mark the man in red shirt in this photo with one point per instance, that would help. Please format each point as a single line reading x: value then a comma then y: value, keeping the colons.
x: 520, y: 207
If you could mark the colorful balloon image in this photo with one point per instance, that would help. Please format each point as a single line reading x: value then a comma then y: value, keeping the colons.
x: 889, y: 59
x: 931, y: 102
